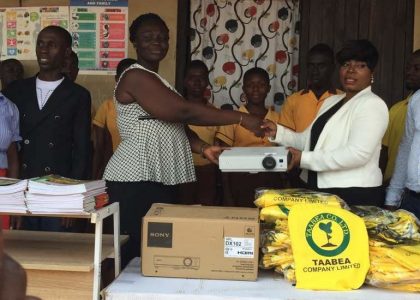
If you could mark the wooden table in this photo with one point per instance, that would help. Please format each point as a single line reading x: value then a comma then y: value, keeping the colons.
x: 63, y: 265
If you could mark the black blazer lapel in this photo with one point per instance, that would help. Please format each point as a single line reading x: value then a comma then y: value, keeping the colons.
x: 60, y: 94
x: 31, y: 98
x: 28, y: 105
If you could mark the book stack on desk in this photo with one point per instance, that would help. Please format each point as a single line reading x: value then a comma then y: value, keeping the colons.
x: 53, y: 194
x: 12, y: 195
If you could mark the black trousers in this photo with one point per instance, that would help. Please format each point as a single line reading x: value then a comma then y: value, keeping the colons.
x: 135, y: 199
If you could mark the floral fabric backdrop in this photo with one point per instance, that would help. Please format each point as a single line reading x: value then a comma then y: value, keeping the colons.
x: 232, y: 36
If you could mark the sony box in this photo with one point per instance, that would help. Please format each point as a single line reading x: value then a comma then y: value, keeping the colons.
x: 200, y: 242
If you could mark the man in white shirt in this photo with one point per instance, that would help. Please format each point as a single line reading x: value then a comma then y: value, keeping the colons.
x: 54, y: 117
x: 54, y: 113
x: 404, y: 189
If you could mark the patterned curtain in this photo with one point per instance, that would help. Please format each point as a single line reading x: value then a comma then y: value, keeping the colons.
x: 232, y: 36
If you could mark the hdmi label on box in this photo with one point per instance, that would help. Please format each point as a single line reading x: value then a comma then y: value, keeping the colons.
x: 239, y: 247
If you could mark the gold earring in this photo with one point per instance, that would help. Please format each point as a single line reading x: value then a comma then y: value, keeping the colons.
x: 244, y: 99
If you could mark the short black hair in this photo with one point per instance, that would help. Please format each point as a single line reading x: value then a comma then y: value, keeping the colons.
x: 197, y: 64
x: 360, y: 50
x: 124, y: 64
x: 140, y: 20
x: 62, y: 32
x: 257, y: 71
x: 12, y: 61
x: 322, y: 49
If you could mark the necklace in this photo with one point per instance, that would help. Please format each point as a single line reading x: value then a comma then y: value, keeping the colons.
x: 44, y: 98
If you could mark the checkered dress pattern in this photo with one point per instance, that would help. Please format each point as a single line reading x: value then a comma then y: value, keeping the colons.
x: 150, y: 149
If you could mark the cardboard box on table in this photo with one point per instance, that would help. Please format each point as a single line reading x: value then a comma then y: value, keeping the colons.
x: 200, y: 242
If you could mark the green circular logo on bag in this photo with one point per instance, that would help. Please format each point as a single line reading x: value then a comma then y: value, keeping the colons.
x: 327, y: 234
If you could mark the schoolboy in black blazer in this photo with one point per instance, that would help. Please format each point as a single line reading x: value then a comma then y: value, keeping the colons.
x: 54, y: 118
x: 56, y: 137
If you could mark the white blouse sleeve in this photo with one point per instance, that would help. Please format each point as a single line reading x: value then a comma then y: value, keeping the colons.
x: 290, y: 138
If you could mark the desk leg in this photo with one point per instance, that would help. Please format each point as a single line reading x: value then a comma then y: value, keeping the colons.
x: 117, y: 246
x: 97, y: 259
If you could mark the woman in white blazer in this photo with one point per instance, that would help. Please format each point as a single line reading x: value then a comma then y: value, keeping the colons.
x: 339, y: 152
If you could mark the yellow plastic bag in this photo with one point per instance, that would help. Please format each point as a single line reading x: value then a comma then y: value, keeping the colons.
x: 330, y: 247
x: 290, y: 197
x: 272, y: 213
x: 391, y: 227
x: 395, y: 267
x: 411, y: 287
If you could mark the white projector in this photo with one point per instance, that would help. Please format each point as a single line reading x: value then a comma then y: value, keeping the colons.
x: 254, y: 159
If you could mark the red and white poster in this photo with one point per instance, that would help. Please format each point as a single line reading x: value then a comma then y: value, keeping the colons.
x: 100, y: 34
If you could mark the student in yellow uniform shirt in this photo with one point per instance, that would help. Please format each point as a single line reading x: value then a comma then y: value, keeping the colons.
x: 204, y: 190
x: 239, y: 188
x: 300, y: 109
x: 397, y: 115
x: 105, y: 131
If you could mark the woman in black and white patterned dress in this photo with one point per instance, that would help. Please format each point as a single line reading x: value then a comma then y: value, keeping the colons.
x: 155, y: 151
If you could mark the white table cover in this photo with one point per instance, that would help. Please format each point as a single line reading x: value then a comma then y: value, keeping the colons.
x: 131, y: 285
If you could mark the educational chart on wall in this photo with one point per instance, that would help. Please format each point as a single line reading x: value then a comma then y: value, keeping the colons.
x: 20, y: 27
x: 100, y: 34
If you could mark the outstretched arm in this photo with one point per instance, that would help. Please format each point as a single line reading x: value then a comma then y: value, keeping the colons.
x: 284, y: 136
x: 161, y: 102
x: 211, y: 152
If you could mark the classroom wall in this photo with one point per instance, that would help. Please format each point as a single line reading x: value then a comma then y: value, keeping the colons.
x: 101, y: 86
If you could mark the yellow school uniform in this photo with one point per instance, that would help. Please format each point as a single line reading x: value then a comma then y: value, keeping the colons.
x: 300, y: 109
x: 206, y: 134
x: 237, y: 136
x: 106, y: 117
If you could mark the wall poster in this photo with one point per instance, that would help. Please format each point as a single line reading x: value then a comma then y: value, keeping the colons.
x: 98, y: 28
x: 20, y: 27
x: 100, y: 34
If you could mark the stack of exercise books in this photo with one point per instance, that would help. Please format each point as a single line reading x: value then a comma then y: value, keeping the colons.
x: 53, y: 194
x: 12, y: 195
